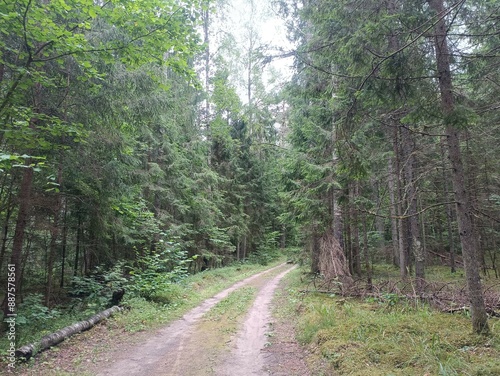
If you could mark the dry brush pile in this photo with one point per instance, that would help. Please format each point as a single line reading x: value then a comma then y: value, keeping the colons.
x: 335, y: 278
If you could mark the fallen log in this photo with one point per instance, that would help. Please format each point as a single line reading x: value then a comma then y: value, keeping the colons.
x: 489, y: 310
x: 52, y: 339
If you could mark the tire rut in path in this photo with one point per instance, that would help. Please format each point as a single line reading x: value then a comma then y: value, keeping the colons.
x: 247, y: 357
x: 166, y: 352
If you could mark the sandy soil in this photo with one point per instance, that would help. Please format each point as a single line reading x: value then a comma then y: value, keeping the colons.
x: 260, y: 344
x: 283, y: 355
x: 247, y: 353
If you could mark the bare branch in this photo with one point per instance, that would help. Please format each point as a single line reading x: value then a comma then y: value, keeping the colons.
x: 407, y: 216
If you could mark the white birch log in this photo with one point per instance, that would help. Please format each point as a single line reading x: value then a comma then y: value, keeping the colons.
x: 52, y: 339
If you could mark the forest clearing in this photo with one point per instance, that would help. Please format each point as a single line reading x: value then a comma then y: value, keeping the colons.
x: 155, y: 152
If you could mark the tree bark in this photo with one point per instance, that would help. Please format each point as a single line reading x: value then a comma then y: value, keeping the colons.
x: 402, y: 141
x: 52, y: 339
x: 414, y: 241
x: 64, y: 244
x: 367, y: 254
x: 22, y: 220
x: 78, y: 246
x: 404, y: 261
x: 5, y: 228
x: 356, y: 253
x: 348, y: 233
x: 54, y: 235
x: 379, y: 221
x: 283, y: 237
x: 463, y: 204
x: 393, y: 212
x: 449, y: 213
x: 315, y: 254
x: 206, y: 41
x: 244, y: 248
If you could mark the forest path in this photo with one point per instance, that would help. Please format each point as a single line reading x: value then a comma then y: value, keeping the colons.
x: 197, y: 346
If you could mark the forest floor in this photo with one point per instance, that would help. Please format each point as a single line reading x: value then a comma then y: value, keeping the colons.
x: 239, y: 331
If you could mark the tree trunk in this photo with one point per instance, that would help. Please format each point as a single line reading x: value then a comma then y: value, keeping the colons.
x: 22, y: 220
x: 449, y: 213
x: 54, y: 235
x: 367, y: 254
x: 78, y: 246
x: 5, y: 227
x: 315, y: 254
x: 471, y: 168
x: 415, y: 245
x: 494, y: 252
x: 348, y: 234
x: 356, y: 254
x: 379, y: 221
x: 401, y: 140
x: 463, y: 204
x: 283, y: 237
x: 52, y: 339
x: 206, y: 115
x: 393, y: 212
x: 402, y: 233
x: 424, y: 232
x: 244, y: 248
x: 64, y: 244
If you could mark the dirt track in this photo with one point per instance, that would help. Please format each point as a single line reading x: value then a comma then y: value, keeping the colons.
x: 186, y: 347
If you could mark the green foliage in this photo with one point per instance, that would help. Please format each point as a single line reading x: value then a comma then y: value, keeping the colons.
x: 294, y: 255
x: 34, y: 315
x: 105, y: 98
x: 169, y: 294
x: 264, y: 257
x: 154, y: 273
x: 388, y: 300
x: 91, y: 292
x: 94, y: 292
x: 267, y: 251
x: 9, y: 161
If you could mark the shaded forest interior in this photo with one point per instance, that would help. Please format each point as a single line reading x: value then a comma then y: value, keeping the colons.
x: 129, y: 155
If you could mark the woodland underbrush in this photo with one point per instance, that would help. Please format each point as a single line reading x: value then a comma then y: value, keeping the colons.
x: 389, y: 330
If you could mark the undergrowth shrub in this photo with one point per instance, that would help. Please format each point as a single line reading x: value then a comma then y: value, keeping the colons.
x: 168, y: 295
x: 154, y: 275
x: 267, y: 250
x: 31, y: 312
x: 34, y: 317
x: 295, y: 255
x: 94, y: 292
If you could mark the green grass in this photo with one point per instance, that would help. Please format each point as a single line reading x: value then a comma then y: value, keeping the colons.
x: 232, y: 306
x: 360, y: 337
x: 432, y: 273
x: 223, y: 320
